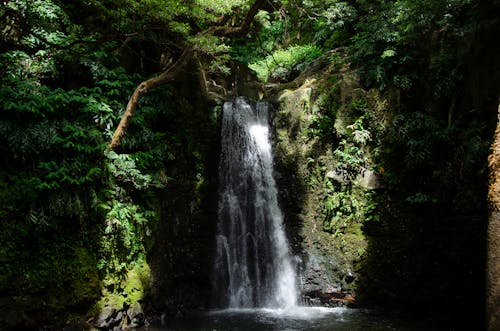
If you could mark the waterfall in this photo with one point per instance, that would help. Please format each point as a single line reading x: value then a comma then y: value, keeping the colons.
x: 253, y: 266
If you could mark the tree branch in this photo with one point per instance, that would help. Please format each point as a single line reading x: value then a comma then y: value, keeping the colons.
x: 242, y: 30
x: 144, y: 88
x: 175, y: 68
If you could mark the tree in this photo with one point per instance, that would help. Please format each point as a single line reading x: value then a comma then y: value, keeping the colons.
x: 493, y: 239
x: 190, y: 45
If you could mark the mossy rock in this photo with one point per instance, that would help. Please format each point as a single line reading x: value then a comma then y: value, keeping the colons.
x: 126, y: 292
x: 314, y: 126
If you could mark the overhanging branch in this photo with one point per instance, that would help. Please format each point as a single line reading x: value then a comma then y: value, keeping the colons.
x: 242, y: 30
x: 175, y: 68
x: 142, y: 89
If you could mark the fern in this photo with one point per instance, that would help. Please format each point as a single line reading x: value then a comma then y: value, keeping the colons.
x: 279, y: 64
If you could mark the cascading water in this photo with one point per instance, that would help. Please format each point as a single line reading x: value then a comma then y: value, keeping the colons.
x: 253, y: 272
x: 253, y: 266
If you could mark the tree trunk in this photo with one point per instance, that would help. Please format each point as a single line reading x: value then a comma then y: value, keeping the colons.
x: 493, y: 239
x: 142, y: 89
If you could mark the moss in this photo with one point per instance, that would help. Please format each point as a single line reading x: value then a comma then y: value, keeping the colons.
x: 57, y: 276
x: 319, y: 126
x: 118, y: 294
x: 85, y: 278
x: 137, y: 282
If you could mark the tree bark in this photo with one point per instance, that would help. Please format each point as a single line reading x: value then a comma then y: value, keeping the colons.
x: 493, y: 237
x: 142, y: 89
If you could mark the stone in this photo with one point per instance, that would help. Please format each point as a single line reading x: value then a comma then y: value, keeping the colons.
x: 105, y: 317
x: 136, y: 315
x: 333, y: 289
x: 350, y: 276
x: 369, y: 180
x: 134, y: 311
x: 117, y: 320
x: 338, y: 175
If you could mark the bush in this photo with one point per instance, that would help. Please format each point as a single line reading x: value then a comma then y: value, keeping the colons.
x: 280, y: 64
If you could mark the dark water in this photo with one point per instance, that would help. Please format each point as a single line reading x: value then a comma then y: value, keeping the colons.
x: 320, y: 319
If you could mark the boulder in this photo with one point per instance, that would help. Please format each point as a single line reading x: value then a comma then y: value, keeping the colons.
x: 369, y: 180
x: 136, y: 315
x: 105, y: 319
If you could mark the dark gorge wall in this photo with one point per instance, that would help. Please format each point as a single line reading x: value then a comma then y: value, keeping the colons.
x: 428, y: 252
x: 180, y: 259
x: 384, y: 193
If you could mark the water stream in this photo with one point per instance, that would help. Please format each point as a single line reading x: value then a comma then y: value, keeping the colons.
x: 253, y: 266
x: 254, y: 276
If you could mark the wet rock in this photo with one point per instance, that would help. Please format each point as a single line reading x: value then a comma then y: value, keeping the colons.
x: 369, y: 180
x: 350, y: 276
x: 117, y: 320
x: 325, y: 283
x: 136, y: 315
x: 105, y: 318
x: 319, y: 275
x: 335, y: 298
x: 128, y: 318
x: 338, y: 175
x: 309, y: 301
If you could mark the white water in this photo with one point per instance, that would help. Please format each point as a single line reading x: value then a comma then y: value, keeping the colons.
x: 296, y: 313
x: 253, y: 266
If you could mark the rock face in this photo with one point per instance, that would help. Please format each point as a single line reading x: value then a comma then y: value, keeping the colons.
x: 180, y: 259
x: 135, y: 315
x: 324, y: 283
x: 324, y: 189
x: 127, y: 318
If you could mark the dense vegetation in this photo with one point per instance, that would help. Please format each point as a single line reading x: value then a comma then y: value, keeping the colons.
x: 79, y: 219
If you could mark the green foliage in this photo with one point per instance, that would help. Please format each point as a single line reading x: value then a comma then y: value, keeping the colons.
x: 269, y: 38
x: 351, y: 157
x: 168, y: 25
x: 352, y: 149
x: 278, y: 65
x: 423, y: 147
x: 347, y: 206
x: 125, y: 291
x: 127, y: 223
x: 392, y: 42
x: 329, y: 22
x: 123, y: 168
x: 324, y: 113
x: 127, y: 227
x: 219, y: 7
x: 77, y: 206
x: 52, y: 134
x: 49, y: 274
x: 341, y: 210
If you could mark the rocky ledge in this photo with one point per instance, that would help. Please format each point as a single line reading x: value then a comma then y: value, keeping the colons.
x: 127, y: 318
